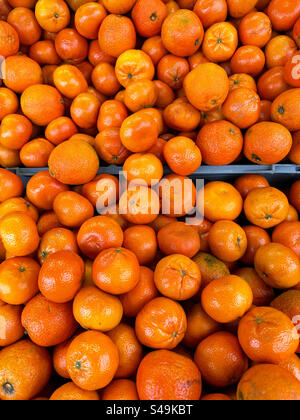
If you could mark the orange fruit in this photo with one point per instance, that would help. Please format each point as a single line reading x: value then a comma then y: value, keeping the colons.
x: 120, y: 390
x: 141, y: 240
x: 10, y: 185
x: 88, y: 19
x: 262, y: 293
x: 87, y: 352
x: 182, y: 155
x: 161, y: 324
x: 226, y: 299
x: 148, y: 17
x: 21, y: 72
x: 52, y: 17
x: 18, y: 204
x: 72, y: 209
x: 11, y: 329
x: 36, y: 153
x: 166, y: 375
x: 9, y: 39
x: 15, y: 131
x: 178, y: 238
x: 134, y: 65
x: 71, y: 392
x: 287, y: 233
x: 116, y: 270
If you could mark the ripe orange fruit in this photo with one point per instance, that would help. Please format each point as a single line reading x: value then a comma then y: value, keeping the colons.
x: 97, y: 234
x: 226, y: 299
x: 19, y: 234
x: 207, y: 86
x: 71, y: 392
x: 141, y: 240
x: 277, y: 265
x: 143, y: 293
x: 116, y: 270
x: 166, y: 375
x: 220, y: 42
x: 182, y: 155
x: 88, y: 19
x: 9, y: 102
x: 52, y: 17
x: 262, y: 293
x: 161, y: 324
x: 87, y: 352
x: 285, y: 109
x: 177, y: 277
x: 130, y: 350
x: 182, y: 33
x: 287, y: 233
x: 21, y: 72
x: 18, y: 204
x: 54, y: 240
x: 138, y: 133
x: 266, y: 207
x: 246, y: 183
x: 10, y: 185
x: 221, y: 360
x: 61, y: 276
x: 35, y: 154
x: 74, y: 162
x: 134, y: 65
x: 25, y: 370
x: 178, y: 238
x: 267, y: 335
x: 15, y: 131
x: 172, y: 71
x: 96, y: 310
x: 120, y: 390
x: 9, y: 39
x: 72, y: 209
x: 18, y: 280
x: 148, y: 17
x: 11, y: 326
x: 143, y: 167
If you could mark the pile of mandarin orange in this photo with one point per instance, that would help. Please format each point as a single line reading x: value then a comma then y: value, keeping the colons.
x: 106, y: 293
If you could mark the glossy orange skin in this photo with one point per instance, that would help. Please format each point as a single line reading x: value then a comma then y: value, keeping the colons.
x: 221, y: 201
x: 110, y: 148
x: 10, y: 185
x: 242, y: 80
x: 52, y: 17
x: 227, y: 145
x: 96, y: 310
x: 120, y: 390
x: 272, y: 83
x: 262, y: 293
x: 255, y: 29
x: 168, y: 373
x: 154, y: 47
x: 279, y: 50
x: 105, y: 80
x: 238, y: 8
x: 171, y: 319
x: 292, y: 365
x: 291, y: 71
x: 116, y: 35
x: 288, y: 233
x: 148, y: 17
x: 20, y: 72
x: 72, y: 209
x: 277, y: 143
x: 60, y: 276
x: 88, y: 19
x: 271, y: 383
x: 54, y: 240
x: 283, y: 16
x: 119, y: 7
x: 211, y: 11
x: 15, y: 131
x: 42, y: 190
x: 140, y: 94
x: 277, y: 265
x: 116, y: 270
x: 69, y: 81
x: 11, y: 327
x: 182, y: 33
x: 281, y: 110
x: 102, y: 192
x: 221, y: 360
x: 134, y: 65
x: 112, y: 114
x: 143, y: 293
x: 172, y: 70
x: 139, y: 205
x: 177, y: 277
x: 43, y: 52
x: 246, y: 183
x: 256, y: 237
x: 97, y: 234
x: 266, y: 207
x: 47, y: 73
x: 178, y: 238
x: 84, y: 110
x: 42, y: 104
x: 220, y: 42
x: 248, y: 59
x: 86, y: 353
x: 97, y: 56
x: 196, y: 59
x: 48, y: 323
x: 242, y: 107
x: 143, y: 168
x: 60, y: 129
x: 15, y: 363
x: 9, y: 39
x: 141, y: 240
x: 294, y: 195
x: 293, y: 215
x: 26, y: 25
x: 130, y: 350
x: 18, y: 280
x: 296, y: 32
x: 207, y: 86
x: 35, y: 154
x: 9, y: 102
x: 9, y: 158
x: 199, y: 326
x: 182, y: 116
x: 59, y: 359
x: 70, y: 392
x: 18, y: 205
x: 227, y: 299
x: 19, y: 234
x: 260, y: 323
x: 71, y: 46
x: 138, y: 127
x: 182, y: 155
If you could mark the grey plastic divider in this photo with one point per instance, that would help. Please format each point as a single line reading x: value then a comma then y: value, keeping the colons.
x: 204, y: 171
